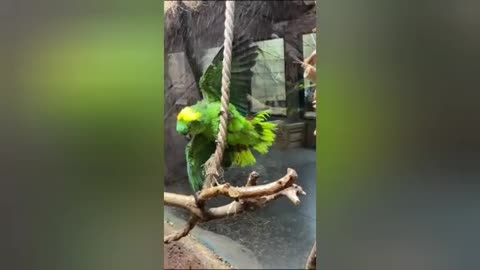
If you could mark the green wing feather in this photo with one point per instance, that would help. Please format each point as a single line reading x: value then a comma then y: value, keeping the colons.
x: 197, y: 152
x: 244, y: 55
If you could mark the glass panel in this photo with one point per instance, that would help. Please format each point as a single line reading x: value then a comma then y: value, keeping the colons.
x: 268, y: 85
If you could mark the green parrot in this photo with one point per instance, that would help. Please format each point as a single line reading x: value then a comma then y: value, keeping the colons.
x: 201, y: 121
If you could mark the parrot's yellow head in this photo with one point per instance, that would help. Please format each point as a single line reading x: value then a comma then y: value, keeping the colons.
x: 188, y: 121
x: 188, y: 115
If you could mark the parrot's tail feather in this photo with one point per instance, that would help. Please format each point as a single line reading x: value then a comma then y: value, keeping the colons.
x: 266, y: 132
x: 243, y: 158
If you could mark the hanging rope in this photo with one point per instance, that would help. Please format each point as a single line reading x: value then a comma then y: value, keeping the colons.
x: 213, y: 168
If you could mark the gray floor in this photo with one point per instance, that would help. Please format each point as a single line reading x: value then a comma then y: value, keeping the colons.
x: 281, y: 234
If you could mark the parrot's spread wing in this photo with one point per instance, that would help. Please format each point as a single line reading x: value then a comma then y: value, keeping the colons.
x: 244, y: 54
x: 198, y: 150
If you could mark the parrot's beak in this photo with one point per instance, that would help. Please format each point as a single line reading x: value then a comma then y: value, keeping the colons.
x: 188, y: 137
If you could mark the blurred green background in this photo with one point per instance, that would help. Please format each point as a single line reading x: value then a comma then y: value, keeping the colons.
x: 397, y: 134
x: 97, y: 82
x: 86, y: 150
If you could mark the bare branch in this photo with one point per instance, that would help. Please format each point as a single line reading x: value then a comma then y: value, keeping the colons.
x: 291, y: 193
x: 252, y: 179
x: 183, y: 201
x: 310, y: 71
x: 249, y: 191
x: 179, y: 234
x: 312, y: 258
x: 252, y: 203
x: 224, y: 211
x: 312, y: 59
x: 246, y: 198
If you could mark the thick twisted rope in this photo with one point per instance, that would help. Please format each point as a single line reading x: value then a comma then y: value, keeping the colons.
x: 213, y: 168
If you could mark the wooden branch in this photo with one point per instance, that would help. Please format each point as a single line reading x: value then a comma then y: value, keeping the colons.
x: 249, y: 191
x: 310, y: 72
x: 177, y: 235
x: 252, y: 179
x: 241, y: 206
x: 182, y: 201
x: 312, y: 59
x: 312, y: 258
x: 290, y: 193
x: 246, y: 198
x: 309, y: 67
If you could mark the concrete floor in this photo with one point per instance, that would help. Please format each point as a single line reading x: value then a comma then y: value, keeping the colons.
x: 281, y: 234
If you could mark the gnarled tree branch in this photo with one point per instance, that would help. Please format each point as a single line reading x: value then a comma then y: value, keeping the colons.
x: 249, y: 191
x: 246, y: 198
x: 181, y: 233
x: 312, y: 258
